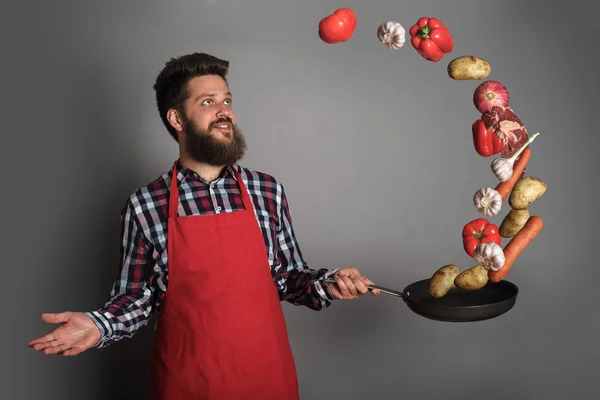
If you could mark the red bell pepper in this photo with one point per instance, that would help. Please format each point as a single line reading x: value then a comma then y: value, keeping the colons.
x: 431, y: 39
x: 486, y: 142
x: 479, y: 231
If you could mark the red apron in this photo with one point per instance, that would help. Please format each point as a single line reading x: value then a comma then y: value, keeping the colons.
x: 221, y: 333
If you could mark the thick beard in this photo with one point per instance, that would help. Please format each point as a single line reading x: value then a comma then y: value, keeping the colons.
x: 203, y: 148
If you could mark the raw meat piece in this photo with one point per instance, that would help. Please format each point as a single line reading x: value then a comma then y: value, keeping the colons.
x: 504, y: 122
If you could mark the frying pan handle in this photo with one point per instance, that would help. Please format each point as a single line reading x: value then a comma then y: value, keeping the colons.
x: 380, y: 288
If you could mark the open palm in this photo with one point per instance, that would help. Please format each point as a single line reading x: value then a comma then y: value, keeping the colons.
x: 76, y: 334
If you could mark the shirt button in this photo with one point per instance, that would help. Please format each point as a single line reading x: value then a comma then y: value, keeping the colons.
x: 218, y: 208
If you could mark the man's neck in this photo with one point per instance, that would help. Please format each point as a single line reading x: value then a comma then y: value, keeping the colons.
x: 206, y: 171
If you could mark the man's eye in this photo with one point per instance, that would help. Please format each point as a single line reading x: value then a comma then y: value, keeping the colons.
x: 207, y: 101
x: 228, y: 102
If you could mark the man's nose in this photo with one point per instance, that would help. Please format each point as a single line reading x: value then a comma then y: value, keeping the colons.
x: 223, y: 112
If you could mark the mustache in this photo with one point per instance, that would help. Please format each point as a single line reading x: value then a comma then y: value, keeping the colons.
x: 222, y: 120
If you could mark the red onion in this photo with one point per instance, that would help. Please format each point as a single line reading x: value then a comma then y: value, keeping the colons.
x: 490, y: 94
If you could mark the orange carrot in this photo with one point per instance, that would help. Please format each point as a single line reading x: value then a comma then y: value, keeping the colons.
x: 504, y: 188
x: 517, y: 244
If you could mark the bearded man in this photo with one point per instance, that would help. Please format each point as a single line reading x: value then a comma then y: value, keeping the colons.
x: 210, y: 247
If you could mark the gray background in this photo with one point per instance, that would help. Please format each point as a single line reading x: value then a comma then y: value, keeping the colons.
x: 374, y: 149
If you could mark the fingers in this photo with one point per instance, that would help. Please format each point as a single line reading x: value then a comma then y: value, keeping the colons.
x: 360, y: 286
x: 56, y: 349
x: 351, y: 287
x: 338, y: 295
x: 57, y: 318
x: 350, y: 284
x: 51, y: 319
x: 335, y: 292
x: 366, y: 280
x: 46, y: 340
x: 44, y: 345
x: 345, y: 287
x: 42, y: 340
x: 50, y: 347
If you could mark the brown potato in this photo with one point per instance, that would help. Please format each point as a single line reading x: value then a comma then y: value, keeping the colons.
x: 526, y: 191
x: 472, y: 279
x: 513, y: 222
x: 442, y: 280
x: 469, y: 68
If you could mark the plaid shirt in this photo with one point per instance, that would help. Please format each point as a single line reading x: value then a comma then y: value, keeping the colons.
x: 142, y: 282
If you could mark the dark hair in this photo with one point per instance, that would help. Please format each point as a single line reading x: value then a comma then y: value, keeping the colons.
x: 171, y: 86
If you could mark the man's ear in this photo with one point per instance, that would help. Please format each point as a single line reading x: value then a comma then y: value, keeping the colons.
x: 175, y: 120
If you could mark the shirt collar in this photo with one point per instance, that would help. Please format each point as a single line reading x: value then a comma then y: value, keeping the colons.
x: 186, y: 173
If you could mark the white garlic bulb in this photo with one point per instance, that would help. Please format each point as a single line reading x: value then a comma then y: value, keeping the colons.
x: 490, y: 256
x: 503, y: 167
x: 391, y: 34
x: 488, y: 201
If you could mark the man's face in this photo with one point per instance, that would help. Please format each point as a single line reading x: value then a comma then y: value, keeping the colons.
x: 210, y: 132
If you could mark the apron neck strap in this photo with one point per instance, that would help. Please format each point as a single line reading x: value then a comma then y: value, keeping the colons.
x: 174, y: 192
x: 244, y: 192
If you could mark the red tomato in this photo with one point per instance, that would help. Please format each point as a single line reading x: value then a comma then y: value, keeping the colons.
x: 337, y: 27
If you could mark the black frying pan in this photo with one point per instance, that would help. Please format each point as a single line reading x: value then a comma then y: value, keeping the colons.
x: 457, y: 305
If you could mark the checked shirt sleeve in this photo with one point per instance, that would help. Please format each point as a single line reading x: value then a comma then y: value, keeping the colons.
x: 296, y: 281
x: 132, y: 297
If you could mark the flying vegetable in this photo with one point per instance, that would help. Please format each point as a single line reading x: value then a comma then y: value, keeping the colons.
x: 431, y: 39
